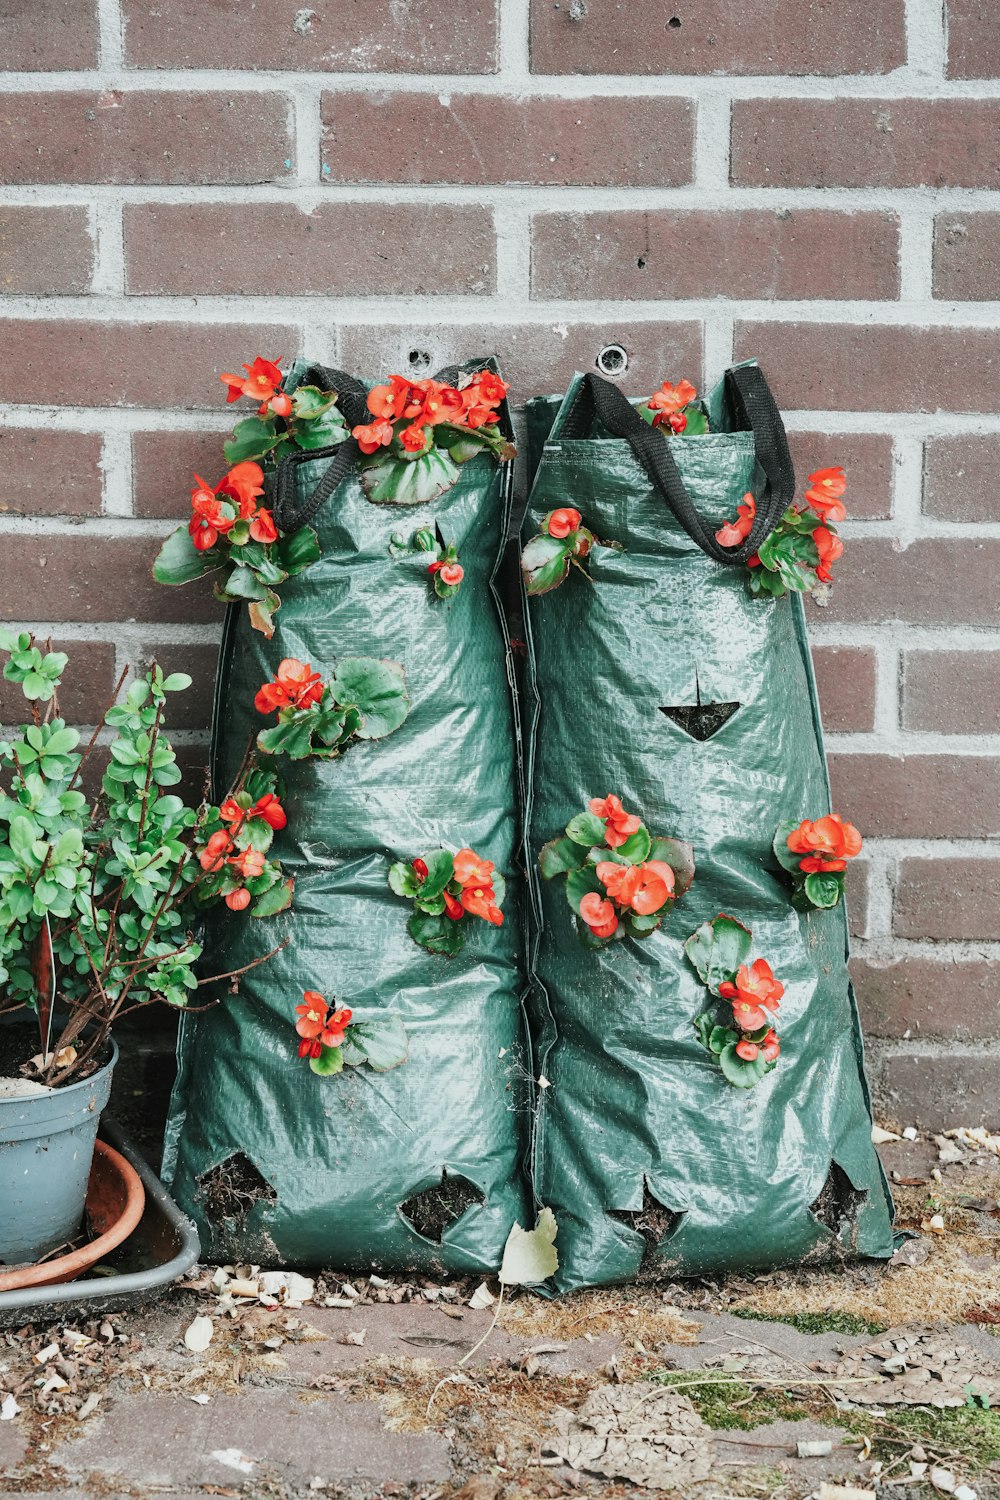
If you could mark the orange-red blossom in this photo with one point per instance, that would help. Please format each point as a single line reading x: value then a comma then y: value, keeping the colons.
x: 828, y: 843
x: 754, y: 993
x: 295, y: 685
x: 318, y: 1026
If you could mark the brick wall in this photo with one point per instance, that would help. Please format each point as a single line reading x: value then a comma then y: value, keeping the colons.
x: 191, y: 184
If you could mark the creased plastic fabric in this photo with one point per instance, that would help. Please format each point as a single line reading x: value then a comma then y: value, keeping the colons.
x: 341, y: 1154
x: 632, y: 1095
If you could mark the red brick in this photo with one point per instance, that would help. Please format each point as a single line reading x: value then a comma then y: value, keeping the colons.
x: 49, y: 35
x: 772, y: 36
x: 973, y: 40
x: 918, y: 796
x: 94, y: 577
x: 951, y: 692
x: 967, y: 256
x: 45, y: 250
x: 854, y: 367
x: 949, y: 143
x: 337, y: 250
x: 941, y: 1092
x: 422, y: 36
x: 164, y: 465
x: 59, y: 362
x: 845, y: 676
x: 535, y: 357
x: 86, y: 688
x: 384, y: 136
x: 50, y: 473
x: 960, y: 477
x: 936, y: 581
x: 957, y: 899
x: 865, y: 457
x: 928, y: 997
x: 191, y: 709
x: 144, y: 136
x: 701, y: 253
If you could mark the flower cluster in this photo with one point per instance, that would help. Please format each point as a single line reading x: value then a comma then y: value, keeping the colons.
x: 745, y: 1042
x: 815, y: 855
x: 445, y: 570
x: 446, y: 888
x: 229, y: 531
x: 331, y: 1039
x: 562, y: 541
x: 428, y: 429
x: 672, y: 409
x: 620, y: 881
x: 234, y: 855
x: 366, y: 699
x: 802, y: 548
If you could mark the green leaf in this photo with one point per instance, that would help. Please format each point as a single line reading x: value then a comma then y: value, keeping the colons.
x: 179, y: 561
x: 742, y: 1075
x: 278, y: 898
x: 440, y: 869
x: 254, y: 437
x: 640, y: 926
x: 324, y: 430
x: 680, y: 857
x: 292, y: 738
x: 635, y: 848
x: 823, y: 889
x: 580, y: 883
x: 298, y: 550
x: 241, y: 583
x: 176, y: 682
x: 437, y: 934
x: 586, y: 829
x: 403, y: 879
x: 309, y: 402
x: 704, y: 1025
x: 722, y: 1037
x: 785, y: 857
x: 559, y: 856
x: 716, y: 949
x: 378, y: 688
x: 330, y: 1060
x: 697, y: 422
x: 545, y: 563
x: 383, y: 1042
x: 392, y: 481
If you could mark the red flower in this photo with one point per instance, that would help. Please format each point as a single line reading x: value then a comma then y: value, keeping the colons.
x: 318, y: 1028
x: 481, y: 901
x: 734, y: 532
x: 480, y: 398
x: 669, y: 400
x: 243, y: 484
x: 312, y: 1016
x: 270, y: 809
x: 249, y: 862
x: 452, y: 574
x: 599, y: 915
x: 620, y: 824
x: 830, y: 548
x: 828, y: 844
x: 676, y: 421
x: 771, y: 1046
x: 441, y: 403
x: 420, y: 869
x: 296, y: 685
x: 215, y: 851
x: 238, y: 900
x: 644, y: 888
x: 376, y: 435
x: 559, y: 523
x: 262, y: 527
x: 755, y: 992
x: 389, y: 402
x: 825, y: 489
x: 747, y: 1050
x: 281, y: 405
x: 454, y: 909
x: 413, y: 439
x: 260, y: 383
x: 490, y: 387
x: 471, y: 870
x: 337, y: 1023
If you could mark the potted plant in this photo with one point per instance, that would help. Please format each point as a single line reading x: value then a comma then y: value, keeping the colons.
x: 101, y: 895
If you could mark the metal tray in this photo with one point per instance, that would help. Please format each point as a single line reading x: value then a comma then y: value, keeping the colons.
x: 162, y: 1247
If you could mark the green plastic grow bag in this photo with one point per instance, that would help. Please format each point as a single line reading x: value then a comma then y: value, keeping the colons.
x: 653, y: 1164
x: 274, y: 1163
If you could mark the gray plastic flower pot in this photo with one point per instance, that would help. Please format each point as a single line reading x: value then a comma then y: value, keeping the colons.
x: 46, y: 1149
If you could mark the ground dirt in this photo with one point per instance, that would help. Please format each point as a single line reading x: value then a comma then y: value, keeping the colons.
x: 706, y: 1388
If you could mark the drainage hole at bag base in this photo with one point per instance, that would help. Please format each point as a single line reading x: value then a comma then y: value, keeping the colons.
x: 230, y: 1189
x: 419, y: 360
x: 674, y: 23
x: 437, y: 1208
x: 612, y: 360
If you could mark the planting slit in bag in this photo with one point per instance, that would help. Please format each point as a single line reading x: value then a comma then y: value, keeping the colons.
x: 359, y: 1101
x: 707, y: 1107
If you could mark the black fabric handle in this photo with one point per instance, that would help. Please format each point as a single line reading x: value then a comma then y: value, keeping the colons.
x: 352, y: 398
x: 753, y: 410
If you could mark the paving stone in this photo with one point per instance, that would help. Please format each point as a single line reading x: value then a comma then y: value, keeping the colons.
x: 156, y: 1439
x: 13, y: 1446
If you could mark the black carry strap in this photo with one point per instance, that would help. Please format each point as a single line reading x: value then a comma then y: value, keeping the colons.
x: 352, y: 398
x: 753, y: 410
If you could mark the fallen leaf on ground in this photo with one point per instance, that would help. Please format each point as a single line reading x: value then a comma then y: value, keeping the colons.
x: 650, y: 1437
x: 198, y: 1334
x: 354, y: 1336
x: 481, y: 1297
x: 882, y: 1137
x: 916, y: 1370
x: 911, y: 1253
x: 8, y: 1409
x: 529, y: 1255
x: 844, y: 1492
